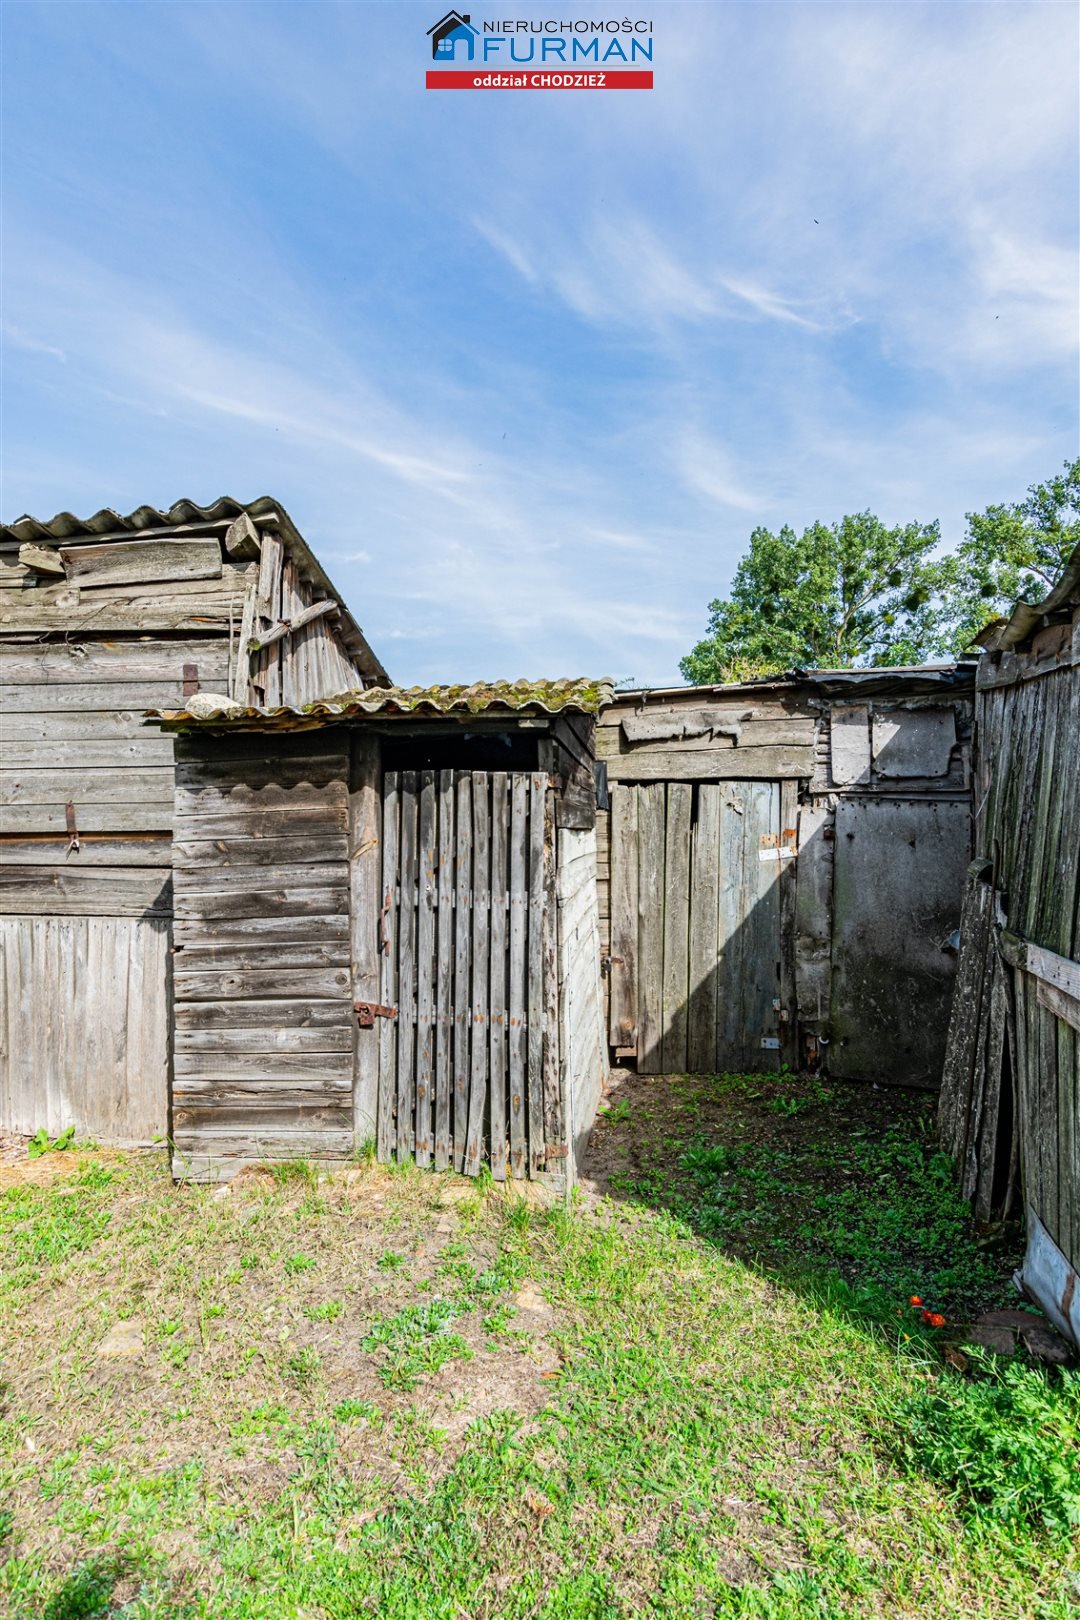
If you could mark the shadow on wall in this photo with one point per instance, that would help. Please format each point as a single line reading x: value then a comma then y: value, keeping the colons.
x: 750, y: 958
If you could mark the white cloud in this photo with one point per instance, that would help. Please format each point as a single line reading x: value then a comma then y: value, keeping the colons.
x: 709, y: 470
x: 30, y: 345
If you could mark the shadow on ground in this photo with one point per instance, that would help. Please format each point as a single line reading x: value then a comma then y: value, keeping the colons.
x: 836, y: 1190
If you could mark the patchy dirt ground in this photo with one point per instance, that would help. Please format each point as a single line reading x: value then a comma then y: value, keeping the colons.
x: 389, y: 1392
x: 799, y: 1173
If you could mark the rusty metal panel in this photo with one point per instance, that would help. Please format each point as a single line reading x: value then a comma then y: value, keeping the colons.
x: 898, y: 880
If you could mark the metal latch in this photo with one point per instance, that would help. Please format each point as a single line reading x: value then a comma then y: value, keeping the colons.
x: 368, y: 1011
x: 607, y: 963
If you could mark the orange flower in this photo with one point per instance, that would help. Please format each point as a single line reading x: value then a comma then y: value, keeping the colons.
x: 915, y: 1300
x: 936, y: 1320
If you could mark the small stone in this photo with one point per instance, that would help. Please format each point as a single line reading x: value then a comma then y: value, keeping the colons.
x: 1009, y: 1318
x: 209, y: 705
x: 124, y: 1339
x: 219, y: 1194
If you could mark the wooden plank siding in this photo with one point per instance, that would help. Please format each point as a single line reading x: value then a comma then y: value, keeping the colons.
x: 779, y: 949
x: 84, y: 1026
x: 278, y: 1085
x: 698, y: 969
x: 1013, y: 1056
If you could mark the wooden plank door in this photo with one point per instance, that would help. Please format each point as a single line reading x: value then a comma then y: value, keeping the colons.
x: 463, y: 927
x: 698, y: 878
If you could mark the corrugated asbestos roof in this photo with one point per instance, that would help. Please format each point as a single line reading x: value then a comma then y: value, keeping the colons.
x: 490, y: 698
x: 1006, y: 635
x: 66, y: 527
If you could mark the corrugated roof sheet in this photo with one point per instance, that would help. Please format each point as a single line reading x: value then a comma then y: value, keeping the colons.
x: 1007, y: 635
x: 877, y: 681
x: 481, y: 698
x: 66, y: 527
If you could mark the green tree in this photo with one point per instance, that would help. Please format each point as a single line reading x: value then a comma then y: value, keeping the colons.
x: 1010, y: 551
x: 853, y: 592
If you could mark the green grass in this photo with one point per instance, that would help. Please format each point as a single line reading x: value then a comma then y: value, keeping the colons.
x: 629, y: 1408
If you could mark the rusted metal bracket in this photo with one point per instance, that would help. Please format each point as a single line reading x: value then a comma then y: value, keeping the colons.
x: 72, y: 829
x: 191, y: 680
x: 368, y: 1011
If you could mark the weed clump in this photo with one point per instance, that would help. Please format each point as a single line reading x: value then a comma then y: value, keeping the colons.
x: 1005, y: 1443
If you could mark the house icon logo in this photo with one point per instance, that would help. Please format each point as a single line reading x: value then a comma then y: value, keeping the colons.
x: 451, y: 31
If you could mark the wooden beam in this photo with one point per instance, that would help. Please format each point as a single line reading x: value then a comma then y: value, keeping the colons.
x: 286, y: 627
x: 242, y: 539
x: 142, y: 561
x: 67, y: 614
x: 729, y: 764
x: 45, y: 559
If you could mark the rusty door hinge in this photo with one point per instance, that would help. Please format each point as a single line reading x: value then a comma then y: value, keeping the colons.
x: 368, y: 1011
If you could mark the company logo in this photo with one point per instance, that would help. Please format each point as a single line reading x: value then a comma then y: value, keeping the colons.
x: 448, y: 33
x: 503, y: 47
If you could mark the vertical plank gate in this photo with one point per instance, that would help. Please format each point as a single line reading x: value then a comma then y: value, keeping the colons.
x: 462, y: 930
x: 699, y: 880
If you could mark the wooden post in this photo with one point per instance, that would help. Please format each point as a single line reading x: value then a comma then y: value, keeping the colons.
x: 365, y: 781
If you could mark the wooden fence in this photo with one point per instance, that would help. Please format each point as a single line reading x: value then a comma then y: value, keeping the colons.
x: 1014, y: 1049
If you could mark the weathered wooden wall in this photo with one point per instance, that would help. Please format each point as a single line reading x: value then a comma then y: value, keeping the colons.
x: 72, y: 734
x: 84, y: 1026
x: 1011, y: 1100
x: 702, y: 886
x: 874, y: 824
x: 693, y: 736
x: 263, y: 1059
x: 583, y: 1057
x: 96, y: 627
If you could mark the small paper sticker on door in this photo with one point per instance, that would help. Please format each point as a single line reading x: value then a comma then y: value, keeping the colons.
x: 771, y: 1043
x: 775, y: 854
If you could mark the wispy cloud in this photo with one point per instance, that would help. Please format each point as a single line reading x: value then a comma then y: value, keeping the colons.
x: 17, y: 339
x: 531, y: 415
x: 709, y: 469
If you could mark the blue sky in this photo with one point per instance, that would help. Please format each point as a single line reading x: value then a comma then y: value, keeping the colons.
x: 527, y: 369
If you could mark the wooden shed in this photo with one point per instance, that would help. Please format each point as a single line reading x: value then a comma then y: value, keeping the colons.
x: 98, y: 619
x: 1010, y: 1106
x: 780, y: 871
x: 387, y: 928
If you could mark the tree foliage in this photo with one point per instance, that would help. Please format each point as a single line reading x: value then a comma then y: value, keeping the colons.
x: 838, y: 594
x: 857, y: 592
x: 1008, y: 552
